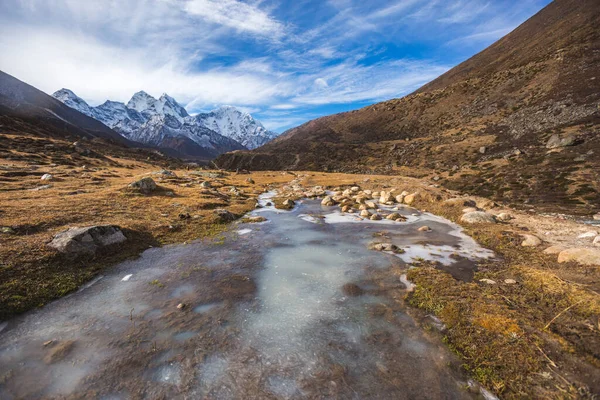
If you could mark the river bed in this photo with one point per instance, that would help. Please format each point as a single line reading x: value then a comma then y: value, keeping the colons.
x: 293, y: 307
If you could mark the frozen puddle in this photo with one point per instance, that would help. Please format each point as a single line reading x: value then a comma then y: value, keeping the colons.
x: 298, y: 309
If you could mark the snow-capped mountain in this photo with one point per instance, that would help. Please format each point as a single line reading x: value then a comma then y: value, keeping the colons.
x: 237, y: 125
x: 164, y: 122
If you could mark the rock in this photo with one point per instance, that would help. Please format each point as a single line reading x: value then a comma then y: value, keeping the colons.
x: 486, y: 204
x: 347, y: 193
x: 488, y: 281
x: 583, y: 256
x: 206, y: 185
x: 384, y: 197
x: 370, y: 204
x: 459, y: 201
x: 224, y: 215
x: 588, y: 234
x: 250, y: 181
x: 350, y: 289
x: 365, y: 214
x: 478, y: 217
x: 596, y: 217
x: 355, y: 189
x: 180, y: 306
x: 410, y: 199
x: 47, y: 177
x: 144, y: 185
x: 482, y: 149
x: 385, y: 247
x: 556, y: 141
x: 7, y: 229
x: 596, y: 241
x: 424, y: 229
x: 289, y: 203
x: 185, y: 216
x: 531, y: 241
x: 361, y: 199
x: 375, y: 217
x: 87, y: 240
x: 166, y: 173
x: 510, y: 281
x: 327, y: 201
x: 504, y: 217
x: 393, y: 216
x: 400, y: 199
x: 254, y: 219
x: 375, y: 195
x: 469, y: 209
x: 554, y: 249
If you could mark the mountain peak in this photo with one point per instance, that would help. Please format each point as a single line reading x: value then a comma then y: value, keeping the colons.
x: 141, y: 101
x: 69, y: 98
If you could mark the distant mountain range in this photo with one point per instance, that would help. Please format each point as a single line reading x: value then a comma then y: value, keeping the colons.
x: 164, y: 123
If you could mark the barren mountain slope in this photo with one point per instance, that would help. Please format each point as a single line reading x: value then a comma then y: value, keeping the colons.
x: 484, y: 126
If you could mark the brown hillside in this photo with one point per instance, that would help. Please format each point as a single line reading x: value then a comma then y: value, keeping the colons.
x: 540, y: 80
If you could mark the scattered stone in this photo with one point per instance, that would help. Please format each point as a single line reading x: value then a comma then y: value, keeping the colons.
x: 254, y: 219
x: 350, y: 289
x: 556, y: 141
x: 224, y: 215
x: 409, y: 199
x: 596, y: 217
x: 393, y: 216
x: 7, y: 229
x: 504, y: 217
x: 327, y: 201
x: 482, y: 149
x: 166, y: 173
x: 385, y: 247
x: 554, y: 249
x: 424, y: 229
x: 289, y: 203
x: 365, y: 214
x: 583, y: 256
x: 355, y: 189
x: 144, y: 185
x: 206, y: 185
x: 375, y: 217
x: 250, y: 181
x: 588, y: 234
x: 400, y: 199
x: 478, y: 217
x: 488, y: 281
x: 370, y: 204
x: 180, y: 306
x: 47, y: 177
x: 531, y: 241
x: 87, y: 240
x: 596, y: 241
x: 384, y: 197
x: 510, y: 281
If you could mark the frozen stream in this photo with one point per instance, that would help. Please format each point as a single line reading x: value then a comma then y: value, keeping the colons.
x: 295, y: 307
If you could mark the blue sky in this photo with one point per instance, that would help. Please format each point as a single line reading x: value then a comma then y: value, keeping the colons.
x: 286, y: 62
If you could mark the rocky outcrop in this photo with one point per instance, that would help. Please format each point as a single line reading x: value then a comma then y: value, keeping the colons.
x: 87, y: 240
x: 144, y: 185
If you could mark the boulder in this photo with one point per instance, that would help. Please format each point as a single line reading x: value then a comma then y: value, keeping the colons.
x: 459, y: 201
x: 384, y: 197
x: 504, y: 217
x: 144, y: 185
x: 587, y: 235
x: 206, y: 185
x: 224, y: 215
x: 370, y: 204
x: 393, y: 216
x: 556, y: 141
x: 424, y: 229
x: 410, y: 199
x: 554, y: 249
x: 375, y: 217
x: 582, y: 255
x: 596, y: 217
x: 365, y: 214
x: 166, y: 173
x: 478, y: 217
x: 327, y: 201
x: 355, y: 189
x: 47, y: 177
x: 289, y: 203
x: 400, y: 199
x: 87, y: 240
x: 530, y: 241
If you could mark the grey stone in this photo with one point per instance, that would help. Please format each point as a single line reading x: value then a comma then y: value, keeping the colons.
x: 87, y: 240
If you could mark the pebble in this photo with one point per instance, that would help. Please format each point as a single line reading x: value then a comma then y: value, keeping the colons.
x: 488, y: 281
x: 510, y: 281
